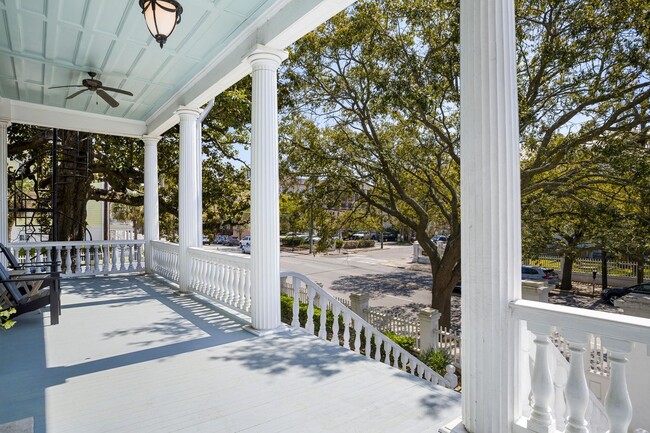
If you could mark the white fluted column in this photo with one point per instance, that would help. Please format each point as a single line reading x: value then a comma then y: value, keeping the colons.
x: 188, y: 192
x: 151, y: 212
x: 4, y: 183
x: 265, y: 209
x: 491, y: 220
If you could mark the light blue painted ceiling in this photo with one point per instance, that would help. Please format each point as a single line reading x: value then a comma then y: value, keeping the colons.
x: 46, y: 43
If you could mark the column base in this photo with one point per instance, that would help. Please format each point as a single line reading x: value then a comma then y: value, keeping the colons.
x: 455, y: 426
x: 264, y: 332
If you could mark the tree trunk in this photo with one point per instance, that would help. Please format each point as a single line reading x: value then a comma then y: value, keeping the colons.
x: 567, y: 270
x: 445, y: 273
x: 603, y: 265
x: 73, y: 185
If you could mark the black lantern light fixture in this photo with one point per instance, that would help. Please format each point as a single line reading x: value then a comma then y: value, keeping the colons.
x: 161, y: 17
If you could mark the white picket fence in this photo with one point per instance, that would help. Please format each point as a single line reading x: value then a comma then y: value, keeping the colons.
x: 83, y: 258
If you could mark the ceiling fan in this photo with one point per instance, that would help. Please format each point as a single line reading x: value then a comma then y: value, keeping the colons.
x: 97, y: 87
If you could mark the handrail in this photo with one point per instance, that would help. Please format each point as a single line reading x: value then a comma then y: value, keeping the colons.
x: 401, y: 358
x: 593, y: 322
x: 29, y: 245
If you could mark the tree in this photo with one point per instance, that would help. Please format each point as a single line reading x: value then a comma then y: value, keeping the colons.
x: 367, y: 87
x: 375, y: 105
x: 106, y: 168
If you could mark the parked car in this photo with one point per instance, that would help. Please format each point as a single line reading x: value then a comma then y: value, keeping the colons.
x: 232, y: 241
x: 219, y: 239
x: 439, y: 238
x: 246, y: 248
x: 206, y: 240
x: 612, y: 294
x: 540, y: 274
x: 246, y: 241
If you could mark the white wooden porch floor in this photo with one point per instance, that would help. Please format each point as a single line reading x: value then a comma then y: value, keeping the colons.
x: 130, y: 356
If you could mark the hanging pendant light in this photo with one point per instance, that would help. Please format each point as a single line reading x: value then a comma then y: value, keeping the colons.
x: 161, y: 17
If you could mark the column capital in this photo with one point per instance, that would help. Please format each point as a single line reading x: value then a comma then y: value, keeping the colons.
x: 188, y: 112
x: 5, y: 122
x: 150, y: 140
x: 262, y: 55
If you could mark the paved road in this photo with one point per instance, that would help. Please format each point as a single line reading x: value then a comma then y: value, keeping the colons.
x: 381, y: 273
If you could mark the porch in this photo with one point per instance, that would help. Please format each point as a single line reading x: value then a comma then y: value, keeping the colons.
x: 132, y: 355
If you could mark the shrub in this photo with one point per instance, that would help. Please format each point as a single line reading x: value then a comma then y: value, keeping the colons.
x: 366, y: 243
x: 292, y: 241
x: 437, y: 359
x: 363, y: 243
x: 405, y: 342
x: 339, y: 244
x: 5, y: 322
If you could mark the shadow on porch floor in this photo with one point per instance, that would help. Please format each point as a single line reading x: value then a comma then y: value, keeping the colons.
x: 130, y: 355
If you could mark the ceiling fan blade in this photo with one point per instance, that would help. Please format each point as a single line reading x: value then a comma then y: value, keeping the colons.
x: 60, y: 87
x: 76, y: 94
x: 113, y: 89
x: 106, y: 97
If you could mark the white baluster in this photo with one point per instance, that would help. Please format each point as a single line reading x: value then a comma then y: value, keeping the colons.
x: 357, y: 336
x: 68, y: 260
x: 247, y: 291
x: 138, y: 255
x: 335, y: 324
x: 542, y: 382
x: 77, y: 269
x: 212, y: 280
x: 113, y: 267
x: 560, y: 376
x: 322, y: 332
x: 59, y: 262
x: 346, y: 329
x: 577, y: 391
x: 617, y: 402
x: 122, y: 261
x: 295, y: 321
x: 129, y: 266
x: 96, y: 260
x: 377, y: 340
x: 236, y: 296
x: 309, y: 326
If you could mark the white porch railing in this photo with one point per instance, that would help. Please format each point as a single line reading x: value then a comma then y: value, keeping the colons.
x: 84, y: 258
x: 164, y: 259
x: 618, y: 334
x: 221, y: 276
x: 375, y: 345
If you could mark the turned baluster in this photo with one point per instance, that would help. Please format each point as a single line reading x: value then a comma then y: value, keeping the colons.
x: 113, y: 267
x: 335, y: 324
x: 322, y: 332
x: 617, y: 402
x: 377, y: 341
x: 309, y: 326
x: 138, y: 256
x: 577, y: 391
x: 68, y: 260
x: 541, y: 420
x: 96, y: 259
x: 357, y: 336
x: 295, y: 321
x: 346, y: 329
x: 122, y: 264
